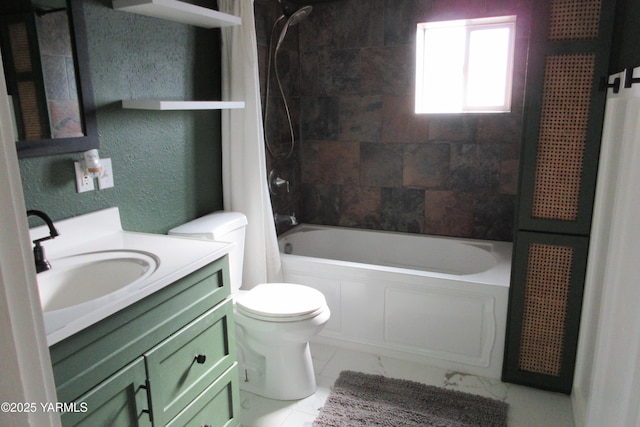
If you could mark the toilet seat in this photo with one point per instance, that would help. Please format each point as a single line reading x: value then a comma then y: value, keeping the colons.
x: 281, y: 302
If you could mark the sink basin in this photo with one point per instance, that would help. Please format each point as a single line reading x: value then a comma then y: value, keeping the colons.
x: 79, y: 283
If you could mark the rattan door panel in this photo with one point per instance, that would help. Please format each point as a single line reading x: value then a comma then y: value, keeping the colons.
x: 544, y: 311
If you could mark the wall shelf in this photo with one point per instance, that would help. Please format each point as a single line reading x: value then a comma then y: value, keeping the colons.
x: 152, y: 104
x: 178, y: 11
x: 184, y: 13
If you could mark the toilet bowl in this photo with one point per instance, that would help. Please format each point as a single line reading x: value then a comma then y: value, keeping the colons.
x: 274, y: 321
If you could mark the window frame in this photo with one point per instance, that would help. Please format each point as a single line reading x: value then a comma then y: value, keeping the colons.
x: 470, y: 25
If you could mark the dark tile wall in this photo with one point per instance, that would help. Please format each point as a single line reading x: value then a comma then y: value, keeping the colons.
x: 364, y: 158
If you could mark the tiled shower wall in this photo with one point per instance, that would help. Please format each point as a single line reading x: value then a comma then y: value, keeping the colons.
x: 364, y: 158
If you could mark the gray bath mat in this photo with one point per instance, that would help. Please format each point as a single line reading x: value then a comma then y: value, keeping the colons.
x: 359, y: 399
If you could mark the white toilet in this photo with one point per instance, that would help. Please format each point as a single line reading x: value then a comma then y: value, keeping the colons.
x: 274, y: 321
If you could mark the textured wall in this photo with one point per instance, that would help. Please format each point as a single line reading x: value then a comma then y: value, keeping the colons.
x: 167, y: 165
x: 366, y: 160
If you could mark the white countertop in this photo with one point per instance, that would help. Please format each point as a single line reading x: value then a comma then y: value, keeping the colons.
x: 101, y: 231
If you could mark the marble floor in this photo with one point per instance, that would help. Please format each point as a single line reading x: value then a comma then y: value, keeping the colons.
x: 527, y: 407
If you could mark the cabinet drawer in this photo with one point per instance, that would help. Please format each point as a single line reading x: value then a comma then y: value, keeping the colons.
x: 217, y: 406
x: 118, y: 401
x: 186, y: 363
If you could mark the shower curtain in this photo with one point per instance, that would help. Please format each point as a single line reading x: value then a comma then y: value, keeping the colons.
x: 243, y: 155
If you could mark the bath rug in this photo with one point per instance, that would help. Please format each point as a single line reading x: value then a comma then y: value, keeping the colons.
x: 359, y: 399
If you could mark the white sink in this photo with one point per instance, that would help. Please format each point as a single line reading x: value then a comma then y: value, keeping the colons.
x: 78, y: 284
x: 98, y: 269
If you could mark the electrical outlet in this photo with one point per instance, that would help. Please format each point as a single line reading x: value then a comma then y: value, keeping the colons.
x: 105, y: 180
x: 84, y: 181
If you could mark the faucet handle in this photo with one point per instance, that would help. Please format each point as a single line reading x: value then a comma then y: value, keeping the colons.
x: 39, y: 257
x: 279, y: 182
x: 275, y: 182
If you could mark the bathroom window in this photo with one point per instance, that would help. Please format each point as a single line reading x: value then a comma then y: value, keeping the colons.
x: 465, y: 66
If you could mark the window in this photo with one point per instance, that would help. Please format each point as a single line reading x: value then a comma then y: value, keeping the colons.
x: 465, y: 66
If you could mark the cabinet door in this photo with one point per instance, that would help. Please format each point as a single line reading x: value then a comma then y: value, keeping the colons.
x: 544, y: 311
x: 120, y: 400
x: 186, y: 363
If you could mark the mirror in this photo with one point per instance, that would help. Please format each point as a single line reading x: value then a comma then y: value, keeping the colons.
x: 44, y: 53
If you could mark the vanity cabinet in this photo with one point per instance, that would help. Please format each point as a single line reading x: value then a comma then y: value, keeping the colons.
x: 167, y: 360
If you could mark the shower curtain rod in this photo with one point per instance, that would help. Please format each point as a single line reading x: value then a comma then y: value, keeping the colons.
x: 629, y: 81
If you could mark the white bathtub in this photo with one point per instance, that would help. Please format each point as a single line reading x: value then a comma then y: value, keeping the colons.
x: 433, y: 299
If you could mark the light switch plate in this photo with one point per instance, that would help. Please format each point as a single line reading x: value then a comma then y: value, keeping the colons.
x: 84, y: 181
x: 105, y: 180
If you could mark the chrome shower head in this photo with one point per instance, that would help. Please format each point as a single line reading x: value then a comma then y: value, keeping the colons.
x: 297, y: 17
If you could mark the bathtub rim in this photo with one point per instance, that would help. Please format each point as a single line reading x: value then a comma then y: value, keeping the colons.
x: 499, y: 275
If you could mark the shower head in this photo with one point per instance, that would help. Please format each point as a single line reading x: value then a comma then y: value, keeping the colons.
x: 299, y: 15
x: 294, y: 19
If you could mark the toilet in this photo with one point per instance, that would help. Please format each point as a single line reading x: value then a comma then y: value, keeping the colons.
x: 274, y: 321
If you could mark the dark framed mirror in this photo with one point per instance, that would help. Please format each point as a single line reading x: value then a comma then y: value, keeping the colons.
x: 45, y: 57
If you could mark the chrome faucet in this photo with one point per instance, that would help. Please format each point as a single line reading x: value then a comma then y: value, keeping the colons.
x: 290, y: 219
x: 38, y: 251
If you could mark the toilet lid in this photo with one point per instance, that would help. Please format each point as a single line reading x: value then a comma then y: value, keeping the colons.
x: 281, y: 301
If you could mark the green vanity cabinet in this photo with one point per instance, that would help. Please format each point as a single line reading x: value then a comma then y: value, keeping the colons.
x: 168, y: 359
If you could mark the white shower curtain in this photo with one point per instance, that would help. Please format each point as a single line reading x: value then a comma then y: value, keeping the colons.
x: 243, y: 156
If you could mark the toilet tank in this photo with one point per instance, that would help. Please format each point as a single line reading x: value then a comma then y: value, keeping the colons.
x: 228, y: 227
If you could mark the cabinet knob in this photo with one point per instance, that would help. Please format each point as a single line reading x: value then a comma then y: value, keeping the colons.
x: 205, y: 425
x: 201, y: 358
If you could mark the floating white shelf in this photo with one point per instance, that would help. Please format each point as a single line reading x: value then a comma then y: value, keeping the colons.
x: 153, y: 104
x: 178, y: 11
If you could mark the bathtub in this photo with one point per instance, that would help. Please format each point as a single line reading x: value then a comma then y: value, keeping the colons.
x: 441, y: 301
